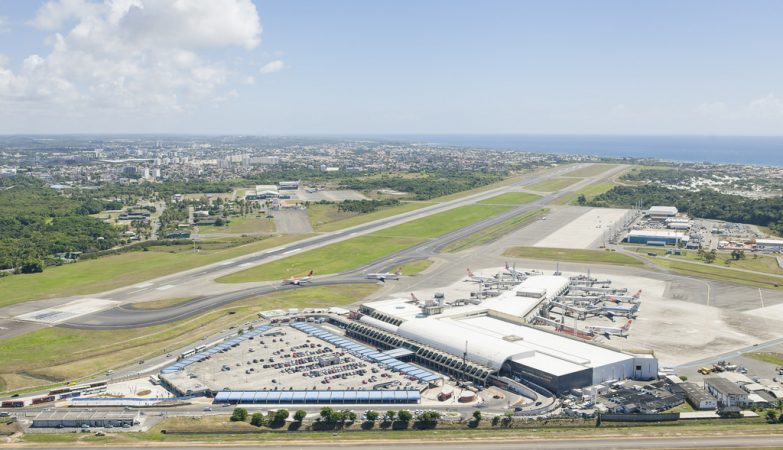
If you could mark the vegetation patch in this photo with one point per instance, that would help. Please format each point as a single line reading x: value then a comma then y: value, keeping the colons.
x: 413, y: 268
x: 575, y: 255
x: 361, y: 250
x: 496, y: 231
x: 767, y: 357
x: 717, y: 273
x: 111, y: 272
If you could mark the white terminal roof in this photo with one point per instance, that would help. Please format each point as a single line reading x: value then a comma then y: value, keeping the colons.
x: 769, y: 242
x: 494, y: 332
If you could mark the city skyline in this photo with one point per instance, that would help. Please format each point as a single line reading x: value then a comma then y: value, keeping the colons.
x: 270, y: 67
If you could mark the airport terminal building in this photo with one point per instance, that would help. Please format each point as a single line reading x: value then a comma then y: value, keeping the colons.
x: 493, y: 334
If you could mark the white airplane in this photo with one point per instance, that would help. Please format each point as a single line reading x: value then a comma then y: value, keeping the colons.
x: 514, y: 272
x: 611, y: 311
x: 626, y: 298
x: 384, y: 276
x: 480, y: 279
x: 610, y: 331
x: 298, y: 281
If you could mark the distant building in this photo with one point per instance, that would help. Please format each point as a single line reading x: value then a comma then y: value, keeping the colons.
x: 266, y: 191
x: 76, y: 419
x: 657, y: 237
x: 288, y: 185
x: 768, y: 245
x: 727, y: 393
x: 661, y: 212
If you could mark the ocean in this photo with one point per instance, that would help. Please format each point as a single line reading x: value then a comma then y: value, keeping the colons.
x: 756, y: 150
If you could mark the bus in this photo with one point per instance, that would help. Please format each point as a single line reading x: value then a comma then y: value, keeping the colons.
x: 199, y: 348
x: 190, y: 352
x: 13, y: 403
x: 44, y: 399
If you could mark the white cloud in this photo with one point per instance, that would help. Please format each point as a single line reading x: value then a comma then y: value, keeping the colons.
x: 273, y: 66
x: 769, y: 106
x: 4, y: 24
x: 132, y: 55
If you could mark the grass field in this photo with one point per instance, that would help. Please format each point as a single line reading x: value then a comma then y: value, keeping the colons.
x: 241, y: 225
x: 574, y: 255
x: 589, y: 171
x: 764, y: 264
x: 510, y: 198
x: 553, y: 184
x: 495, y: 232
x: 767, y: 357
x: 589, y: 192
x: 718, y: 273
x: 52, y: 355
x: 327, y: 218
x: 110, y: 272
x: 361, y: 250
x: 414, y: 268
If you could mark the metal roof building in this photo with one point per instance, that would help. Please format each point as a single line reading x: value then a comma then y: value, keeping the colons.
x: 662, y: 211
x: 318, y: 397
x: 76, y: 419
x: 494, y: 334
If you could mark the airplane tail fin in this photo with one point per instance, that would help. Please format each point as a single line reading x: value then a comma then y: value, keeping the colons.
x: 310, y: 274
x: 470, y: 273
x: 637, y: 294
x: 627, y: 326
x: 507, y: 268
x: 414, y: 298
x: 399, y: 271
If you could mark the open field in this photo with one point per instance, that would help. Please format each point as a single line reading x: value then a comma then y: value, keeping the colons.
x: 240, y: 225
x: 553, y: 184
x: 574, y: 255
x: 758, y: 263
x: 360, y: 250
x: 588, y: 191
x: 59, y: 354
x: 589, y: 171
x: 413, y: 268
x: 717, y: 273
x: 495, y: 232
x: 767, y: 357
x: 327, y: 218
x: 111, y: 272
x: 510, y: 198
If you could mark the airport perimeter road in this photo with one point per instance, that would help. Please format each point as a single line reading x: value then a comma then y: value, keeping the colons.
x: 127, y: 317
x: 684, y: 442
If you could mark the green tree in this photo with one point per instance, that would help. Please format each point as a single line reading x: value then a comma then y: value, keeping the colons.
x: 581, y: 199
x: 477, y: 415
x: 404, y: 415
x: 281, y: 415
x: 326, y: 414
x: 239, y: 415
x: 372, y: 416
x: 300, y: 415
x: 389, y: 416
x: 257, y: 419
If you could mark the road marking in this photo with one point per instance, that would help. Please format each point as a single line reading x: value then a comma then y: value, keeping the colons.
x: 291, y: 251
x: 245, y: 264
x: 166, y: 287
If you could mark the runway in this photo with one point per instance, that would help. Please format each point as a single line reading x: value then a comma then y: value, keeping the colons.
x: 125, y: 316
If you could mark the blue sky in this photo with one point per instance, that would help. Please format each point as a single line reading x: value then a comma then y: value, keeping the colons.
x: 386, y: 67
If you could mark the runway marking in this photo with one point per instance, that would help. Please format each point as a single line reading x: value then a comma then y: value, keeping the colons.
x: 291, y: 251
x: 144, y: 285
x: 67, y: 311
x: 353, y: 234
x: 137, y: 290
x: 762, y: 298
x: 166, y: 287
x: 225, y: 263
x: 245, y: 264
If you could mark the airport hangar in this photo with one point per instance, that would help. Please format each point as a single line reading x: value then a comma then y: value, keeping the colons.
x: 493, y: 335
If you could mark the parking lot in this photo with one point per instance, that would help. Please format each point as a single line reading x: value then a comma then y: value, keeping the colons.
x: 284, y: 358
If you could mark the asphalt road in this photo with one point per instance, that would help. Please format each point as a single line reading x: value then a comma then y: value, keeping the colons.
x: 684, y: 442
x: 126, y: 316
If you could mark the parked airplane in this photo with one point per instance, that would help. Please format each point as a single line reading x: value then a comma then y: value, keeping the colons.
x: 611, y: 311
x: 610, y: 331
x: 385, y: 275
x: 298, y: 281
x: 515, y: 273
x: 480, y: 279
x: 635, y: 298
